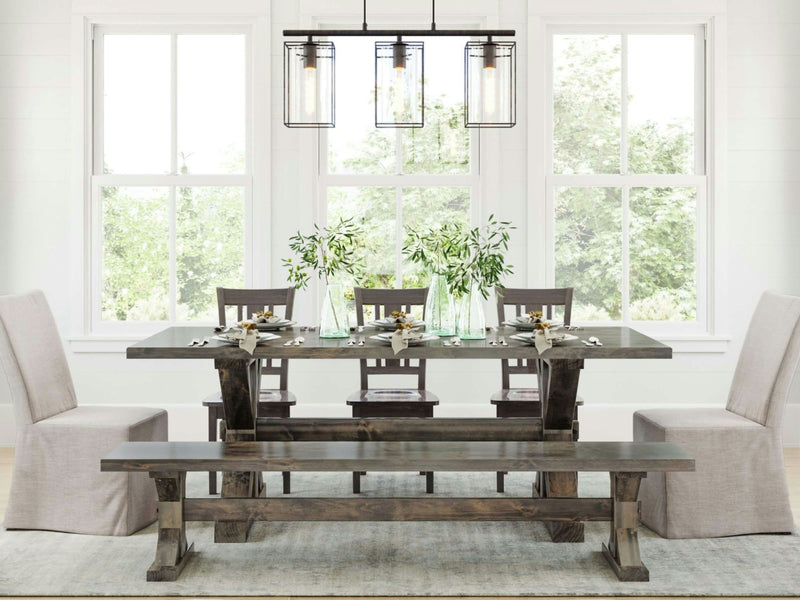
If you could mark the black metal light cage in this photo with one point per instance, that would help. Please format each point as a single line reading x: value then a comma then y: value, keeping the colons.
x: 324, y: 51
x: 388, y: 48
x: 503, y: 50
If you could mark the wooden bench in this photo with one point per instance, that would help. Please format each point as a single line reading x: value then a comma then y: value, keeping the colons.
x: 627, y: 463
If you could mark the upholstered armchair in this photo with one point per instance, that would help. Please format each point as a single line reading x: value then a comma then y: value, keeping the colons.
x: 57, y: 483
x: 739, y: 485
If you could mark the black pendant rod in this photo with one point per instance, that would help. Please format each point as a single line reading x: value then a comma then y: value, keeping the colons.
x: 401, y: 32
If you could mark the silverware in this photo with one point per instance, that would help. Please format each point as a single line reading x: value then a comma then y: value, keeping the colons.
x: 361, y: 341
x: 194, y: 342
x: 288, y: 342
x: 205, y: 341
x: 351, y: 342
x: 595, y: 341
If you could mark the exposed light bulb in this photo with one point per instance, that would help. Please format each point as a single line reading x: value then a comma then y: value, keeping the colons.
x: 310, y: 94
x: 399, y: 63
x: 489, y: 91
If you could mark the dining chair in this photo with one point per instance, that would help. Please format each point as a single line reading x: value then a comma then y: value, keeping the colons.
x: 271, y: 402
x: 391, y: 402
x: 57, y: 483
x: 525, y: 402
x: 739, y: 483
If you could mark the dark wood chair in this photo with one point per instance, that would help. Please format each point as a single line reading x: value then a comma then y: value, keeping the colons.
x: 272, y: 402
x: 525, y: 402
x: 405, y: 402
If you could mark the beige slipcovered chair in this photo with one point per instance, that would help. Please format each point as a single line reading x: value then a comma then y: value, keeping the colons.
x: 57, y: 483
x: 739, y: 485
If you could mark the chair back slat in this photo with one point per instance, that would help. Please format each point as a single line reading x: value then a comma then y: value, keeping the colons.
x: 523, y: 301
x: 249, y: 301
x: 383, y: 302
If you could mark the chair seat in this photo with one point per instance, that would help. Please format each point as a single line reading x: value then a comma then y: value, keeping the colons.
x: 393, y: 396
x: 520, y: 395
x: 695, y: 418
x: 267, y: 396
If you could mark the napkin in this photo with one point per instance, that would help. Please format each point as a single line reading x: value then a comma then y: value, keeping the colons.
x: 543, y: 339
x: 262, y: 319
x: 248, y: 339
x: 400, y: 338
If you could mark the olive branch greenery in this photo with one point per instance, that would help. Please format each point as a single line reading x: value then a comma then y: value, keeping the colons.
x: 328, y: 251
x: 465, y: 257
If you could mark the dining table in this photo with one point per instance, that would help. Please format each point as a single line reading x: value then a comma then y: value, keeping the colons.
x: 559, y: 374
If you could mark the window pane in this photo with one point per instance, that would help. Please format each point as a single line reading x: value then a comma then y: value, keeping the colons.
x: 429, y: 207
x: 211, y: 103
x: 136, y: 100
x: 209, y: 247
x: 662, y: 249
x: 661, y: 103
x: 375, y: 208
x: 442, y: 145
x: 355, y: 145
x: 586, y: 103
x: 135, y: 269
x: 588, y: 250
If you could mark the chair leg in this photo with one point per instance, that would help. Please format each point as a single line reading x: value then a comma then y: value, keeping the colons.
x: 287, y: 482
x: 429, y: 482
x: 212, y: 482
x: 501, y: 482
x: 357, y: 482
x: 212, y: 437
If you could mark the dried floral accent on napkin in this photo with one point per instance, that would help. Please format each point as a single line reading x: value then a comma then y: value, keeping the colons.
x: 399, y: 316
x: 265, y: 317
x: 402, y: 335
x: 247, y: 336
x: 534, y: 316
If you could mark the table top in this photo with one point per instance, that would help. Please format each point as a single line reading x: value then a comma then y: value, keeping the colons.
x: 618, y: 342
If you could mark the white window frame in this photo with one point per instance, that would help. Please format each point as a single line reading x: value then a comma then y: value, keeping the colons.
x: 709, y: 332
x: 249, y: 17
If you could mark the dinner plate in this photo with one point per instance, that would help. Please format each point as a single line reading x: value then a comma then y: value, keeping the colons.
x: 262, y: 338
x: 387, y: 338
x: 528, y: 338
x: 390, y: 325
x: 276, y: 325
x: 522, y: 326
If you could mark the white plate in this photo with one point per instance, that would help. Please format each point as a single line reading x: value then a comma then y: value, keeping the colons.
x: 387, y: 338
x: 528, y: 338
x: 262, y: 338
x: 276, y: 325
x: 390, y: 325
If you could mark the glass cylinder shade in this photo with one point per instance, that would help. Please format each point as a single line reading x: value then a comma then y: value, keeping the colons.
x: 399, y: 93
x: 490, y: 84
x: 308, y: 84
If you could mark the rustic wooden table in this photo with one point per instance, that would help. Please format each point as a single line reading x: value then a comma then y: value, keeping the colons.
x: 240, y: 381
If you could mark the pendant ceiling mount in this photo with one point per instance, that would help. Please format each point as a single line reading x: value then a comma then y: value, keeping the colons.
x: 489, y: 76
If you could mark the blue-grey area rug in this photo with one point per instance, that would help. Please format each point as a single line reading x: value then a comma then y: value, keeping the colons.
x: 397, y: 558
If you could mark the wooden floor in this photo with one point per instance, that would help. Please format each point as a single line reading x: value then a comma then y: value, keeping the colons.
x: 792, y: 456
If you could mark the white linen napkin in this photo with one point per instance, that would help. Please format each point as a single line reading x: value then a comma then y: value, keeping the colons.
x: 543, y: 339
x: 248, y: 339
x: 261, y: 318
x: 400, y: 338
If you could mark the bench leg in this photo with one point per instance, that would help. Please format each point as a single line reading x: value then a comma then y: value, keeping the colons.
x: 429, y: 482
x: 501, y: 482
x: 356, y: 482
x: 287, y: 482
x: 622, y: 551
x: 172, y: 550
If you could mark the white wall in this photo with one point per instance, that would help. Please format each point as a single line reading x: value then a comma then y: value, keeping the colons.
x: 763, y: 100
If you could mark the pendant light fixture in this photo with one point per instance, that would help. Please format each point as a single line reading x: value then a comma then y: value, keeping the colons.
x: 489, y: 76
x: 399, y: 91
x: 309, y: 85
x: 490, y: 84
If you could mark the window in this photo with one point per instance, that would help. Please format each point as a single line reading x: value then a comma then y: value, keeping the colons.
x: 170, y: 176
x: 392, y: 178
x: 626, y: 179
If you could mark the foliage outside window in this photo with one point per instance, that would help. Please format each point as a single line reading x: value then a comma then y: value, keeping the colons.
x: 170, y: 187
x: 627, y: 174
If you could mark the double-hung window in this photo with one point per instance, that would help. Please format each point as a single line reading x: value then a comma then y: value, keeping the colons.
x: 388, y: 179
x: 171, y: 185
x: 626, y: 181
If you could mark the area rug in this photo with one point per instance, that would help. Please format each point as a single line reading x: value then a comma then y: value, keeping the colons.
x: 397, y: 558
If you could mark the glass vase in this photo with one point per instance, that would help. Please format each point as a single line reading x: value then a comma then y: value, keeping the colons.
x: 334, y: 322
x: 471, y: 320
x: 440, y: 310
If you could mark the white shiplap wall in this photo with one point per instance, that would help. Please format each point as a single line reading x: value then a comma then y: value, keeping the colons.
x: 763, y: 207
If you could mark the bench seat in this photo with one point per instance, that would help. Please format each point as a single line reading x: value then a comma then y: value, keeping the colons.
x: 168, y: 462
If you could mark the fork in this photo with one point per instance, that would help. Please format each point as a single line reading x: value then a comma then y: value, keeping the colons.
x: 194, y: 342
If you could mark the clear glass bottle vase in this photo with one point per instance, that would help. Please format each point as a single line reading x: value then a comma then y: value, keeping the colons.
x: 440, y: 313
x: 471, y: 319
x: 334, y: 322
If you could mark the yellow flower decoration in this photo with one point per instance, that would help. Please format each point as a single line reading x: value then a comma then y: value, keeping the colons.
x: 401, y: 326
x: 535, y: 314
x: 266, y: 314
x: 542, y: 326
x: 249, y: 326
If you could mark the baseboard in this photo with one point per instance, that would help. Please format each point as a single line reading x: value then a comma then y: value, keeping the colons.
x: 598, y: 422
